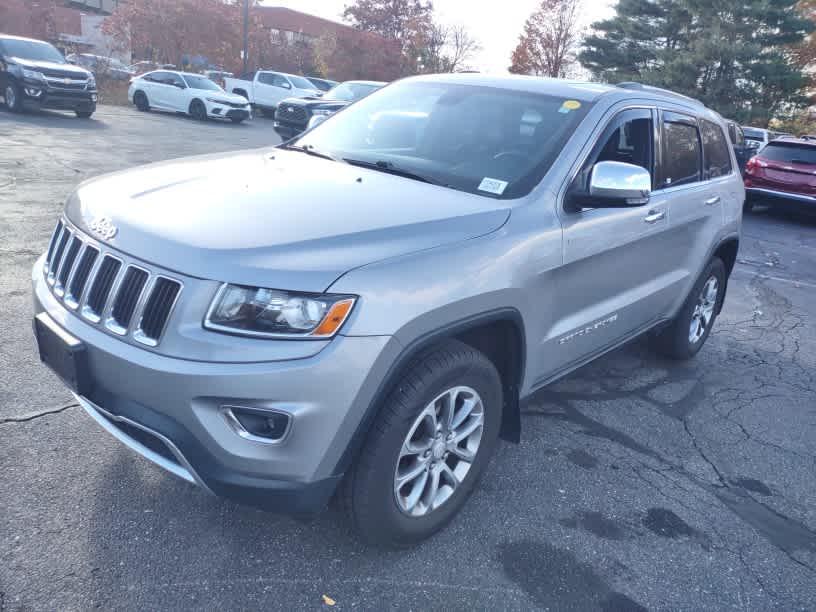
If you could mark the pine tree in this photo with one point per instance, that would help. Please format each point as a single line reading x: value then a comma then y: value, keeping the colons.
x: 736, y: 57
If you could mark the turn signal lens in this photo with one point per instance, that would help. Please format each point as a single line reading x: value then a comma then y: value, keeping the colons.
x: 334, y: 318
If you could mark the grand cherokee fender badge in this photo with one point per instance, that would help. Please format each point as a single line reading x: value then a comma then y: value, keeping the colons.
x: 589, y: 329
x: 103, y: 228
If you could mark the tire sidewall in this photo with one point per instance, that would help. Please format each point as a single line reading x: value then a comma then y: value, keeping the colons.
x: 378, y: 484
x: 140, y: 100
x: 16, y: 91
x: 716, y: 268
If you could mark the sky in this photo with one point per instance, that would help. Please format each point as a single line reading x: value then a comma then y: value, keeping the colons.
x: 496, y: 24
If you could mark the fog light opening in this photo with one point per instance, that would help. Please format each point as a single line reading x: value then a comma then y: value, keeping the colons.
x: 258, y: 424
x: 33, y: 92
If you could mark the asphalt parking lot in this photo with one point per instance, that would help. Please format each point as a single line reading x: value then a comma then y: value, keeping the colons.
x: 639, y: 484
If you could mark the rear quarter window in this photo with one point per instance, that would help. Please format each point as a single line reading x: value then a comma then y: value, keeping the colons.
x: 715, y: 150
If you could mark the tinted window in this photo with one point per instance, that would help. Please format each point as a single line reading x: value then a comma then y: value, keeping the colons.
x: 157, y: 77
x: 200, y: 82
x: 715, y: 150
x: 754, y: 134
x: 267, y: 78
x: 489, y: 141
x: 300, y: 82
x: 32, y: 50
x: 789, y: 153
x: 681, y: 154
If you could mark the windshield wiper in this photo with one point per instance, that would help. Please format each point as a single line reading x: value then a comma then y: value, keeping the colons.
x: 310, y: 150
x: 389, y: 168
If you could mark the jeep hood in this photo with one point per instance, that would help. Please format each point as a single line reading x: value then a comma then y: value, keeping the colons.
x: 275, y: 218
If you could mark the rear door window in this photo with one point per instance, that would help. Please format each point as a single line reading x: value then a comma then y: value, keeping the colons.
x: 715, y: 150
x: 789, y: 153
x: 682, y: 151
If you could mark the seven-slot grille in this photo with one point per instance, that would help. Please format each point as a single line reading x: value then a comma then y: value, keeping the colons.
x: 125, y: 298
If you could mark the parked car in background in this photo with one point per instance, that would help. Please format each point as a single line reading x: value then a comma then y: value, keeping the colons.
x: 295, y: 115
x: 322, y: 84
x: 218, y: 76
x: 783, y: 173
x: 184, y: 92
x: 265, y: 89
x: 742, y: 149
x: 34, y: 75
x: 102, y: 67
x: 365, y: 314
x: 757, y: 138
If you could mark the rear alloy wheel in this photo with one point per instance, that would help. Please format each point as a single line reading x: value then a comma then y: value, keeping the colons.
x: 687, y: 333
x: 141, y: 102
x: 432, y: 439
x: 12, y: 95
x: 198, y: 111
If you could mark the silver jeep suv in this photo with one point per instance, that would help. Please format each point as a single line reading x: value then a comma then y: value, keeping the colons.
x: 361, y: 311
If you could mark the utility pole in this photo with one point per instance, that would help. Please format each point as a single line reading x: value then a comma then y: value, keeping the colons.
x: 246, y: 34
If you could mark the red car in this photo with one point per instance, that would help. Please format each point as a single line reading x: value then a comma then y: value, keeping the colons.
x: 784, y: 172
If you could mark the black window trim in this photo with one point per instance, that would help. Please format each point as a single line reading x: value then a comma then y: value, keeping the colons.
x: 683, y: 118
x: 728, y: 148
x: 600, y: 139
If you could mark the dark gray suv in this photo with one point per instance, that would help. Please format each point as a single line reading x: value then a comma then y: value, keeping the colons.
x: 361, y: 311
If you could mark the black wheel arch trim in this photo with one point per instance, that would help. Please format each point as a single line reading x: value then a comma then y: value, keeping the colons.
x: 511, y: 419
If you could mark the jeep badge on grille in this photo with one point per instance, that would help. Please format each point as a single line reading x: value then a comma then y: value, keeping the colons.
x: 103, y: 228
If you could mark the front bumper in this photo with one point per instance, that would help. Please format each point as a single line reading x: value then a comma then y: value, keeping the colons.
x: 222, y: 111
x: 170, y: 410
x: 288, y: 130
x: 48, y: 98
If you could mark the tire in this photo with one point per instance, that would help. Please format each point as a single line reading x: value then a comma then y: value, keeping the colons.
x: 269, y: 113
x: 11, y: 93
x: 84, y: 114
x: 198, y: 111
x: 748, y: 205
x: 380, y: 511
x: 141, y: 101
x: 682, y: 340
x: 236, y: 119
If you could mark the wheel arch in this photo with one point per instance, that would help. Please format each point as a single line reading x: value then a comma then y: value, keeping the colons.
x: 727, y: 251
x: 499, y: 334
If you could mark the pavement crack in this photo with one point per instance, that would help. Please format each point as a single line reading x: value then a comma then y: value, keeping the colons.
x: 36, y: 415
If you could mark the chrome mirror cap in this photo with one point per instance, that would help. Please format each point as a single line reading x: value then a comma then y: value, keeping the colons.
x: 620, y: 181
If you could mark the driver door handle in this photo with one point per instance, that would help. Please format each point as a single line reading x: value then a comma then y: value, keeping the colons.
x: 654, y: 216
x: 713, y: 201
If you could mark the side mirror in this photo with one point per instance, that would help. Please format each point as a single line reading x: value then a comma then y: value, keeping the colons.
x: 619, y: 185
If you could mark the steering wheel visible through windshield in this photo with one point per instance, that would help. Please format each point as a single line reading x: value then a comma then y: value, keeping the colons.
x: 485, y: 140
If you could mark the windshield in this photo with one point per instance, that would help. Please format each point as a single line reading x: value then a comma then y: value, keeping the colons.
x: 754, y: 134
x: 349, y: 92
x: 484, y: 140
x: 789, y: 153
x: 301, y: 83
x: 32, y: 50
x: 200, y: 82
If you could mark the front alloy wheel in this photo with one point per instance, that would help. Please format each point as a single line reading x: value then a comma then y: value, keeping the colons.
x: 12, y: 98
x: 703, y: 313
x: 432, y: 438
x: 438, y: 451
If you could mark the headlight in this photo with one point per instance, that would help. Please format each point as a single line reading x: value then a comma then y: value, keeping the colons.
x: 322, y: 112
x: 254, y: 311
x: 33, y: 74
x: 91, y: 82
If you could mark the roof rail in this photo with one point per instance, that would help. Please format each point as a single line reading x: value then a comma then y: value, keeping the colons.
x: 660, y: 90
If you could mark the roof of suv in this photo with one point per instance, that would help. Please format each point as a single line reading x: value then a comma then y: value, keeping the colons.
x: 580, y: 89
x: 12, y: 37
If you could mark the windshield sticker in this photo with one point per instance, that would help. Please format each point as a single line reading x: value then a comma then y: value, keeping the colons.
x: 569, y: 105
x: 493, y: 186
